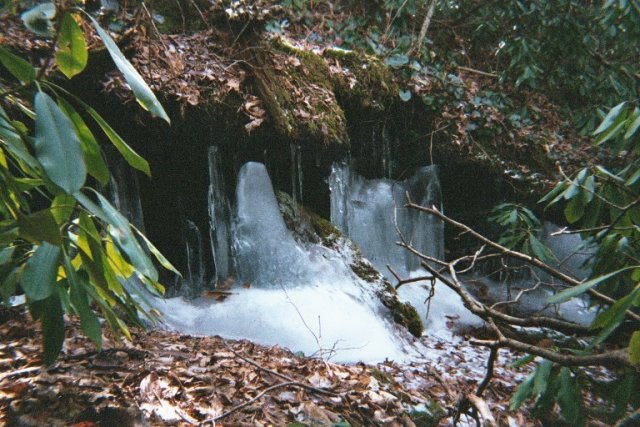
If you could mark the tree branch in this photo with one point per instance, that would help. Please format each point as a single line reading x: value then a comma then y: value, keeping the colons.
x: 518, y: 255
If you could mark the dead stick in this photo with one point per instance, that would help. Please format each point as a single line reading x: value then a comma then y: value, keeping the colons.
x: 278, y: 374
x: 250, y: 401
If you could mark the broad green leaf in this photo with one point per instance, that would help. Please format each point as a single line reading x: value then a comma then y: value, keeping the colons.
x: 6, y: 254
x: 523, y: 361
x: 57, y: 145
x: 574, y: 209
x: 633, y: 178
x: 569, y: 293
x: 634, y: 348
x: 522, y: 393
x: 62, y: 207
x: 539, y: 250
x: 52, y: 328
x: 159, y: 256
x: 143, y: 93
x: 633, y: 128
x: 9, y: 285
x: 569, y: 396
x: 611, y: 318
x: 121, y: 233
x: 14, y: 143
x: 88, y: 320
x: 39, y: 19
x: 18, y: 67
x: 38, y: 279
x: 94, y: 161
x: 39, y: 226
x: 542, y: 373
x: 133, y: 158
x: 611, y: 117
x: 71, y: 55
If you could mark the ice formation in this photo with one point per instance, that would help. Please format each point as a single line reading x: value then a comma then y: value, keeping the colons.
x: 304, y: 297
x: 373, y: 214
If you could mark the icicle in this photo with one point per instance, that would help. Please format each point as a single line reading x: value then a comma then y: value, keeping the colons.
x: 219, y: 219
x: 125, y: 194
x: 195, y: 262
x: 299, y: 168
x: 294, y: 193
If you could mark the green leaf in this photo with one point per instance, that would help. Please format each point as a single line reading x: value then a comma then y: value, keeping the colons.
x: 38, y: 279
x: 633, y: 178
x: 611, y: 318
x: 542, y: 373
x: 57, y: 145
x: 62, y: 207
x: 121, y: 233
x: 574, y: 210
x: 539, y: 250
x: 40, y: 19
x: 6, y: 254
x: 522, y: 393
x: 569, y: 396
x: 132, y: 158
x: 88, y: 320
x: 611, y: 117
x: 91, y: 152
x: 567, y: 294
x: 71, y: 55
x: 40, y: 226
x: 159, y: 256
x: 52, y: 328
x: 634, y: 348
x: 633, y: 128
x: 523, y: 361
x: 397, y: 60
x: 404, y: 95
x: 143, y: 93
x: 18, y: 67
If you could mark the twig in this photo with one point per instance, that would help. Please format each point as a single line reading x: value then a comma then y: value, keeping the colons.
x: 19, y: 372
x: 518, y: 255
x: 278, y: 374
x: 425, y: 26
x: 493, y: 355
x: 411, y: 280
x: 480, y: 72
x: 486, y: 418
x: 250, y: 401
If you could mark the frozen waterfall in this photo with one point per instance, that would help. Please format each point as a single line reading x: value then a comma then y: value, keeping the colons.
x: 372, y: 213
x: 301, y: 296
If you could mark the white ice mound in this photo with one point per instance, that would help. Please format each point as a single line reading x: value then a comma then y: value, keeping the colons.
x: 303, y: 297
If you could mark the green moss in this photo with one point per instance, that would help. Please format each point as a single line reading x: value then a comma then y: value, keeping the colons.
x: 429, y: 418
x: 298, y: 93
x: 374, y: 84
x: 383, y: 377
x: 365, y: 271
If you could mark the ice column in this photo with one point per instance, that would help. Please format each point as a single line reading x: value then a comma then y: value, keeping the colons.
x: 219, y: 219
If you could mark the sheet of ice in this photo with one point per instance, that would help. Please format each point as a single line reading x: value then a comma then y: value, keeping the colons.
x: 372, y: 213
x: 334, y: 314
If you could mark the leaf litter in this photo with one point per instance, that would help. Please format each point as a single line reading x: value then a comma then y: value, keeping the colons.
x: 166, y: 378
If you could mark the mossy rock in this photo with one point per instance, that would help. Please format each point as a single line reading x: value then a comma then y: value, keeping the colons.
x: 370, y: 87
x: 307, y: 226
x: 296, y: 88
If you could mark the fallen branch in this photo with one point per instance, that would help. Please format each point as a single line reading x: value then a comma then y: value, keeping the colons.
x: 493, y: 355
x: 486, y: 417
x: 279, y: 375
x: 518, y: 255
x: 257, y: 397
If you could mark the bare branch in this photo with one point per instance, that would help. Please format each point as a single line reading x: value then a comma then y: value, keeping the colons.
x: 518, y: 255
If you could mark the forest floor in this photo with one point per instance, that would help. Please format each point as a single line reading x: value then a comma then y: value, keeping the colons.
x: 165, y: 378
